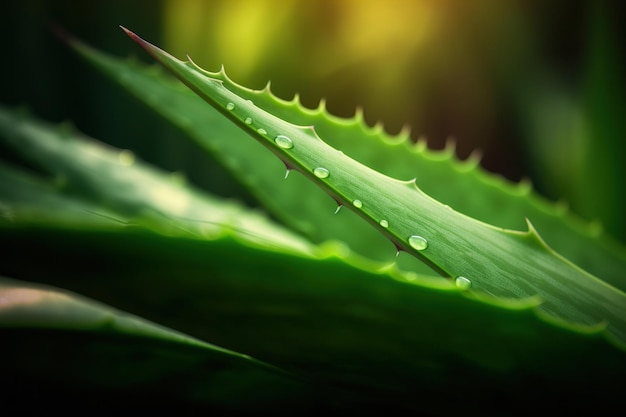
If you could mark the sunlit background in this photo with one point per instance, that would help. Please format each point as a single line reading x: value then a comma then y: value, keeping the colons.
x: 537, y: 86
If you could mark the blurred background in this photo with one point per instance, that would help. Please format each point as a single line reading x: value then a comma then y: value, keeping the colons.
x: 537, y: 86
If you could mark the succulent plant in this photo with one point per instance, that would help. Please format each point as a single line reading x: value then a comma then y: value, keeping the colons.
x: 438, y: 288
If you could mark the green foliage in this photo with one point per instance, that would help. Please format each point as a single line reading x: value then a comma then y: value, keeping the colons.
x: 334, y: 318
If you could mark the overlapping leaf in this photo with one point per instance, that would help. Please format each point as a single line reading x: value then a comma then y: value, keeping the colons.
x: 504, y: 263
x: 463, y: 186
x: 375, y: 340
x: 55, y: 343
x: 88, y: 169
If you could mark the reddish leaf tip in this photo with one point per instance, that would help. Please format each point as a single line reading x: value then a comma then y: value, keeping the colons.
x: 135, y: 37
x: 128, y: 32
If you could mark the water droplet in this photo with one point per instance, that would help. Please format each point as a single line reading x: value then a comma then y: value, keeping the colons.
x: 357, y: 203
x: 248, y: 120
x: 384, y: 223
x: 230, y: 106
x: 284, y: 142
x: 418, y: 242
x: 261, y: 131
x: 320, y: 172
x: 126, y: 157
x: 462, y: 282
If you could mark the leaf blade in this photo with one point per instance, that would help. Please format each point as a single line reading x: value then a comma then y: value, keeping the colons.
x: 57, y: 340
x: 399, y: 342
x: 583, y: 244
x: 102, y: 175
x: 500, y: 262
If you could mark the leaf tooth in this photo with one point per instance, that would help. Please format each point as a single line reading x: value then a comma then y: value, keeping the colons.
x: 533, y: 234
x: 222, y: 73
x: 378, y: 128
x: 420, y: 145
x: 524, y: 186
x: 339, y: 205
x: 359, y: 116
x: 216, y: 76
x: 288, y: 168
x: 321, y: 107
x: 399, y: 248
x: 474, y: 158
x: 405, y: 134
x: 295, y: 100
x: 412, y: 183
x: 449, y: 149
x: 268, y: 89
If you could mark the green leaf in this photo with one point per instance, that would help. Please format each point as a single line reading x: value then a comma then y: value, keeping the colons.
x: 500, y: 262
x: 298, y: 204
x: 55, y: 343
x: 116, y: 181
x: 258, y: 170
x: 403, y: 343
x: 364, y: 339
x: 26, y: 199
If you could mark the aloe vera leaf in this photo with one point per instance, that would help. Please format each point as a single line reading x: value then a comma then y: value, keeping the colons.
x: 221, y: 291
x: 292, y: 195
x: 26, y: 199
x: 406, y: 343
x: 55, y: 342
x: 117, y: 181
x: 500, y: 262
x: 439, y: 174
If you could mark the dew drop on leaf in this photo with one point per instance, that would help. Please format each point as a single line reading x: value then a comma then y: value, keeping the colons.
x: 283, y: 142
x: 462, y: 282
x: 357, y: 203
x: 261, y: 131
x: 418, y: 242
x: 248, y: 120
x: 320, y: 172
x: 230, y: 106
x: 384, y: 223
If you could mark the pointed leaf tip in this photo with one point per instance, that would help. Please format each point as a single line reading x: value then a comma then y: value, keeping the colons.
x: 129, y: 33
x: 147, y: 46
x: 141, y: 42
